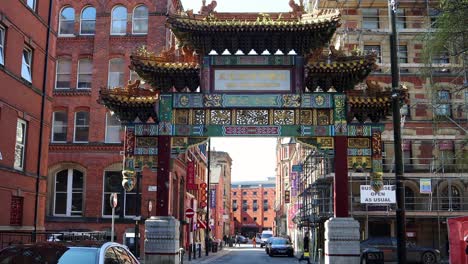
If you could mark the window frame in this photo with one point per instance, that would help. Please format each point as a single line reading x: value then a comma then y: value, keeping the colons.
x: 21, y: 144
x: 109, y: 72
x: 54, y: 125
x: 366, y: 13
x: 112, y: 33
x: 57, y: 73
x: 29, y: 51
x: 2, y: 45
x: 27, y: 2
x: 400, y: 19
x: 62, y: 20
x: 78, y: 73
x: 122, y: 196
x: 379, y: 53
x: 82, y: 19
x: 75, y: 127
x: 443, y: 104
x: 108, y: 114
x: 69, y: 193
x: 140, y: 19
x: 402, y: 49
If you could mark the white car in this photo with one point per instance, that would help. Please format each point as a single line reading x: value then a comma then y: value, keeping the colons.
x: 264, y: 237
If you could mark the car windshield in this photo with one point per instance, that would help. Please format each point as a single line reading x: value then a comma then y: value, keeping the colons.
x: 266, y: 235
x: 49, y: 255
x: 280, y: 242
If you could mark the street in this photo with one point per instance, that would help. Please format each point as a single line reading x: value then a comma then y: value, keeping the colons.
x: 246, y: 254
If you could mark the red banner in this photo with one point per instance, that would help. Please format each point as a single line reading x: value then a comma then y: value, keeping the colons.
x: 191, y: 185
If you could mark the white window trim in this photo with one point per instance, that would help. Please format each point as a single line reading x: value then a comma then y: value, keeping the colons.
x: 69, y: 194
x: 105, y: 138
x: 81, y: 21
x: 30, y: 53
x: 109, y: 72
x: 140, y: 19
x: 60, y: 22
x: 21, y: 121
x: 32, y: 7
x: 2, y: 44
x: 106, y: 199
x: 56, y: 75
x: 78, y: 74
x: 112, y: 20
x: 53, y: 128
x: 74, y: 129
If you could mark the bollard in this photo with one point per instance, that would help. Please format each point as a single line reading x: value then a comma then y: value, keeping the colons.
x: 190, y: 252
x: 181, y: 255
x: 194, y: 250
x: 320, y: 255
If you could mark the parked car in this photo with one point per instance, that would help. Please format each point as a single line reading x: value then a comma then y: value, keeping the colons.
x: 89, y: 252
x: 265, y: 235
x: 243, y: 239
x: 268, y: 244
x: 415, y: 254
x: 258, y: 238
x: 280, y: 246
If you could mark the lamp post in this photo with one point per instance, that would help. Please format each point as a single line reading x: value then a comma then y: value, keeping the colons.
x: 137, y: 214
x: 400, y: 208
x: 207, y: 230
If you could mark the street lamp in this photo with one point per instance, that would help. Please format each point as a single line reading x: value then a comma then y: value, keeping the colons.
x: 207, y: 230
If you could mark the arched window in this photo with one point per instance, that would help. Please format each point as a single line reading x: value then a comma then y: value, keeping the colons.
x: 62, y: 80
x: 68, y: 198
x: 119, y: 21
x: 140, y: 20
x: 116, y: 73
x: 85, y: 73
x: 88, y: 21
x: 67, y: 21
x: 409, y: 198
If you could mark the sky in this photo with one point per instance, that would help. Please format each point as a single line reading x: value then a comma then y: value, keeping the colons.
x: 241, y: 5
x: 253, y: 157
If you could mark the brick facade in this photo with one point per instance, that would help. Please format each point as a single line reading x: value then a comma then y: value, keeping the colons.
x: 23, y: 27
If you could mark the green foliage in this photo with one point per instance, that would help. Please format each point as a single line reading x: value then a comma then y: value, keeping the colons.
x: 450, y: 32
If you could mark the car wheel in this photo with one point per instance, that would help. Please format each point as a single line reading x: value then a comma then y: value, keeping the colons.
x: 269, y: 254
x: 429, y: 258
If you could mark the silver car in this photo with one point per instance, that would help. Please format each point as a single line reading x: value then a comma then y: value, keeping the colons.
x: 89, y: 252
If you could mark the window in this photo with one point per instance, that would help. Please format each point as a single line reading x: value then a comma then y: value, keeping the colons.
x: 244, y: 205
x: 402, y: 53
x: 370, y: 18
x: 433, y: 15
x: 442, y: 107
x: 255, y: 219
x: 126, y: 203
x: 442, y: 58
x: 234, y: 205
x: 59, y: 126
x: 405, y: 111
x: 62, y: 80
x: 244, y: 219
x: 451, y: 199
x: 31, y: 4
x: 140, y: 20
x: 26, y: 72
x: 244, y: 193
x: 265, y: 193
x: 21, y: 128
x: 446, y: 156
x: 119, y: 21
x: 254, y: 193
x: 255, y: 205
x: 67, y: 22
x: 110, y: 256
x: 81, y: 127
x: 409, y: 198
x: 88, y: 21
x: 235, y: 193
x: 112, y: 129
x: 85, y: 73
x: 69, y: 193
x: 116, y: 73
x: 400, y: 19
x: 373, y: 49
x: 16, y: 211
x: 2, y: 46
x: 265, y: 205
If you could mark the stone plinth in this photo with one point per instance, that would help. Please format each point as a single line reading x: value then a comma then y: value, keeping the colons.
x: 342, y: 241
x: 162, y: 240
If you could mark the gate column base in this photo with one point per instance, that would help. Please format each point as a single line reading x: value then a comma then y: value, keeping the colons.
x: 342, y: 241
x: 162, y: 240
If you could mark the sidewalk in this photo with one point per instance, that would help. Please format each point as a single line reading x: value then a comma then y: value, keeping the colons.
x: 204, y: 259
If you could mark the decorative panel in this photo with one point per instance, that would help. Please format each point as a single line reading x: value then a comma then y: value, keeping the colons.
x: 283, y: 117
x: 146, y: 146
x: 326, y: 142
x: 317, y: 100
x: 198, y: 117
x: 252, y: 101
x: 252, y: 117
x: 377, y: 163
x: 305, y: 117
x: 182, y: 116
x: 129, y: 142
x: 359, y: 143
x: 359, y: 162
x: 220, y: 117
x: 145, y: 129
x: 323, y: 118
x: 340, y: 115
x: 188, y: 101
x: 359, y: 130
x: 252, y: 60
x: 359, y: 152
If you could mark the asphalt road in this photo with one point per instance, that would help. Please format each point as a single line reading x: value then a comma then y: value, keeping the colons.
x: 246, y: 254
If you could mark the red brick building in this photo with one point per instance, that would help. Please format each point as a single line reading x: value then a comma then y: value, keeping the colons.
x: 95, y: 41
x: 252, y: 206
x: 26, y: 74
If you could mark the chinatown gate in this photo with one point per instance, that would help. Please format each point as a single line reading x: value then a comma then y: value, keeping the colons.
x: 309, y: 96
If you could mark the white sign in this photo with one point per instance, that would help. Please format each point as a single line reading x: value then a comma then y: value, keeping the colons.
x: 425, y: 186
x: 252, y: 80
x: 152, y: 188
x: 385, y: 196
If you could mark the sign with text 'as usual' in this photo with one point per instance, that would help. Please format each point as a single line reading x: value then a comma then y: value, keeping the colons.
x: 384, y: 196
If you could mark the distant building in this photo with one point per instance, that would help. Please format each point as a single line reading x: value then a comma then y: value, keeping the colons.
x: 252, y: 206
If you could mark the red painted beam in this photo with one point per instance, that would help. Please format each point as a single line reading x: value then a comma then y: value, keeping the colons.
x: 341, y: 177
x: 164, y: 169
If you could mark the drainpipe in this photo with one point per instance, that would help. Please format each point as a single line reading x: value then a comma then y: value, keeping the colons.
x: 41, y: 124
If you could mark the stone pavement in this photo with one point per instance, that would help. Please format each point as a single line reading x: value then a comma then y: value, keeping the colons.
x: 206, y: 259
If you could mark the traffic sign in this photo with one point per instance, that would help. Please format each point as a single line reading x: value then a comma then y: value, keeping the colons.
x: 113, y: 200
x: 189, y: 213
